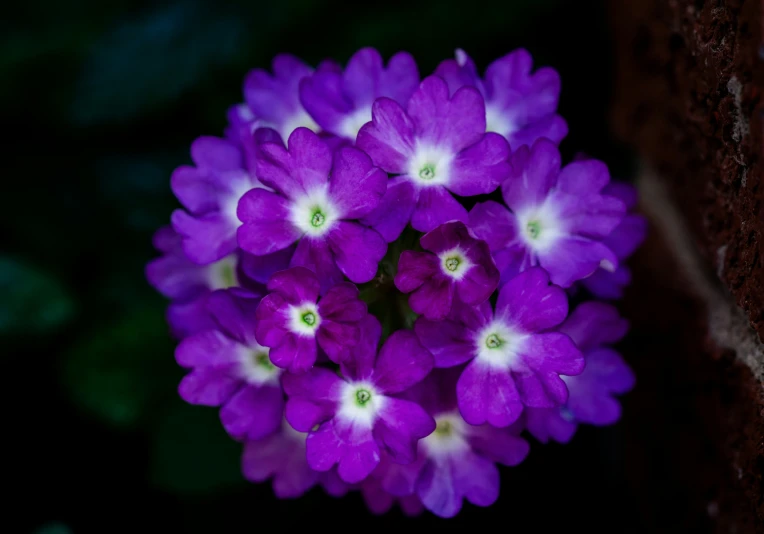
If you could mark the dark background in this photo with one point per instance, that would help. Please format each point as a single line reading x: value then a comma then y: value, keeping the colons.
x: 99, y: 102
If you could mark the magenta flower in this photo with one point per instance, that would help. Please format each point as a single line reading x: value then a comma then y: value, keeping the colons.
x: 230, y: 369
x: 623, y: 241
x: 437, y: 146
x: 293, y: 322
x: 455, y: 462
x: 558, y: 218
x: 341, y: 101
x: 456, y: 268
x: 513, y: 361
x: 352, y: 418
x: 519, y: 105
x: 281, y: 456
x: 210, y: 193
x: 593, y: 326
x: 317, y: 200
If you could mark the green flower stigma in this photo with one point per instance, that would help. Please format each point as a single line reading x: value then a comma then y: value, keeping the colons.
x: 452, y: 264
x: 263, y: 360
x: 227, y: 274
x: 309, y: 318
x: 443, y: 428
x: 362, y: 396
x: 427, y: 172
x: 493, y: 341
x: 318, y: 219
x: 534, y: 229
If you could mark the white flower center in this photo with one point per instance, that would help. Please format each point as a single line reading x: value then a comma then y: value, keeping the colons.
x: 430, y: 165
x: 540, y: 227
x: 314, y: 214
x: 256, y: 367
x: 449, y: 436
x: 360, y: 403
x: 304, y: 319
x: 301, y: 118
x: 454, y: 263
x: 222, y: 273
x: 498, y: 345
x: 352, y: 123
x: 497, y: 120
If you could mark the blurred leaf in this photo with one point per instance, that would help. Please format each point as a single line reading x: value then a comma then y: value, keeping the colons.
x: 32, y: 301
x: 53, y: 528
x: 146, y: 62
x: 118, y: 371
x: 192, y: 453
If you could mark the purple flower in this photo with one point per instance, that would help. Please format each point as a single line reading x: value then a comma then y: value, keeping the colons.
x: 455, y: 462
x: 379, y: 502
x: 457, y: 267
x: 437, y: 146
x: 230, y: 369
x: 294, y: 324
x: 519, y: 105
x: 281, y: 456
x: 353, y: 417
x: 623, y: 241
x: 592, y: 326
x: 210, y: 192
x: 274, y: 99
x: 558, y: 217
x: 341, y: 101
x: 513, y: 362
x: 318, y: 197
x: 187, y: 284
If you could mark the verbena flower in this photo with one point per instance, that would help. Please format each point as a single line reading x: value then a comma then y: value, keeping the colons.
x: 455, y: 462
x: 436, y: 146
x: 281, y: 456
x: 623, y: 241
x: 520, y: 105
x: 316, y: 201
x: 594, y: 326
x: 340, y: 102
x: 514, y: 361
x: 456, y: 267
x: 210, y: 193
x: 558, y: 217
x: 291, y: 225
x: 293, y: 322
x: 230, y: 369
x: 353, y: 417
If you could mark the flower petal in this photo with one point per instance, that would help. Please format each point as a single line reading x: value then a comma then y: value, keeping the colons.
x: 531, y: 303
x: 358, y: 363
x: 351, y: 447
x: 488, y: 395
x: 499, y: 445
x: 296, y: 353
x: 261, y: 268
x: 207, y: 238
x: 209, y: 152
x: 341, y: 303
x: 434, y: 298
x: 394, y: 210
x: 593, y: 324
x: 235, y: 313
x: 271, y: 320
x: 478, y: 479
x: 449, y: 341
x: 266, y: 224
x: 575, y: 258
x: 552, y: 352
x: 400, y: 426
x: 434, y: 207
x: 389, y: 138
x: 414, y: 268
x: 253, y: 412
x: 402, y: 362
x: 547, y: 423
x: 316, y: 256
x: 337, y: 339
x: 493, y: 223
x: 312, y: 397
x: 534, y: 173
x: 356, y: 185
x: 296, y: 285
x: 449, y: 123
x: 208, y: 386
x: 480, y: 168
x: 357, y: 250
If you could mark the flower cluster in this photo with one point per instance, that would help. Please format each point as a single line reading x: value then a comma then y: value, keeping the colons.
x: 362, y: 323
